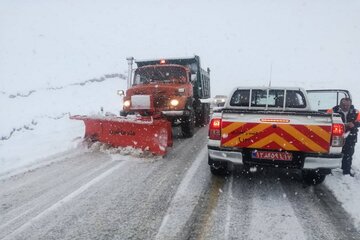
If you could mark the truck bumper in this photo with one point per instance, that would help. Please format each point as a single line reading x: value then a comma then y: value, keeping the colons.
x: 328, y: 161
x: 229, y: 156
x: 174, y: 113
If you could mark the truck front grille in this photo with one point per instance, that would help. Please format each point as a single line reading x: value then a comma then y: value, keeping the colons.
x: 160, y: 102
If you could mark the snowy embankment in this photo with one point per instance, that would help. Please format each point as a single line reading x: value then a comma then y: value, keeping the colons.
x: 36, y: 123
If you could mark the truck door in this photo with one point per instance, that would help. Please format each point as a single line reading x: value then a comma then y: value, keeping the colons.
x: 324, y: 99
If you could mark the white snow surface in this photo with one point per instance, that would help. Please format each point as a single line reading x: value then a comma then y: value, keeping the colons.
x: 38, y: 125
x: 54, y: 54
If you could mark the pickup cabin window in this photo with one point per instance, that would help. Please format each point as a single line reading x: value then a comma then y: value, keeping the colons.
x: 295, y: 99
x: 240, y: 98
x: 258, y: 98
x: 275, y: 99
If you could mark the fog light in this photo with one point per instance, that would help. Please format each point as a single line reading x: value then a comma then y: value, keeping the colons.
x: 174, y: 102
x: 127, y: 103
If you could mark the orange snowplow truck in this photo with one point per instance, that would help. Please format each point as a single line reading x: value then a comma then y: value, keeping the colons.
x: 172, y: 89
x: 162, y: 93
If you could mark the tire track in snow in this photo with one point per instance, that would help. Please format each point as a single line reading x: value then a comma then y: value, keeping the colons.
x: 272, y: 215
x: 253, y: 206
x: 184, y: 202
x: 65, y: 200
x: 229, y: 208
x: 321, y: 215
x: 206, y: 223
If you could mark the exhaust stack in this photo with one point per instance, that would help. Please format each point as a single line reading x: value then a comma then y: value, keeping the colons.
x: 130, y: 63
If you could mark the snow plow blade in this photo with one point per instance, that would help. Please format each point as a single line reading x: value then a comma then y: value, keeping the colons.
x: 146, y: 133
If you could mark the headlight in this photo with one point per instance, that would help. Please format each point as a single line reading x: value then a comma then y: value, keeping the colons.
x: 127, y: 103
x: 174, y: 102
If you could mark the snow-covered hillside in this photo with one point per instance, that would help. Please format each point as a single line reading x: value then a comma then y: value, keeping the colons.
x: 37, y: 122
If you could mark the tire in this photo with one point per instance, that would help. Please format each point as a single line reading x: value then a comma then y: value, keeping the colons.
x: 219, y: 169
x: 123, y: 113
x: 246, y: 168
x: 203, y: 114
x: 313, y: 177
x: 188, y: 125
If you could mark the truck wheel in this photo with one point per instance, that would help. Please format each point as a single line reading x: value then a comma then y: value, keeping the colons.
x: 219, y: 168
x: 203, y: 115
x: 123, y: 113
x: 246, y: 168
x: 188, y: 125
x: 313, y: 177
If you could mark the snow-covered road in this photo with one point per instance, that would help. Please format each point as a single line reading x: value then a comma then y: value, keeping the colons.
x: 274, y: 205
x: 92, y: 194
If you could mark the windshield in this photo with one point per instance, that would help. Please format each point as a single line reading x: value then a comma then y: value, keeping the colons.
x: 163, y: 74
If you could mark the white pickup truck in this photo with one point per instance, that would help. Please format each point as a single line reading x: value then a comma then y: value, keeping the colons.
x: 268, y: 126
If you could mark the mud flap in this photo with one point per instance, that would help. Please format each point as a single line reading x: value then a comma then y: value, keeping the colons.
x: 146, y: 133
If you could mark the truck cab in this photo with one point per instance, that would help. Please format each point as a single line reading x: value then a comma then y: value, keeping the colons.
x: 168, y: 84
x: 172, y: 89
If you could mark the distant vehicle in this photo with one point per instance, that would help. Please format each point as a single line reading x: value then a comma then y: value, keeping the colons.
x: 275, y: 127
x: 219, y: 100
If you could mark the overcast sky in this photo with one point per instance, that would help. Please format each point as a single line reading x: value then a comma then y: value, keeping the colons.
x: 307, y: 43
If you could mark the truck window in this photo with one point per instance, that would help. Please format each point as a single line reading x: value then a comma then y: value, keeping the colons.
x: 322, y: 101
x: 295, y: 99
x: 160, y: 74
x: 258, y: 98
x: 273, y: 99
x: 240, y: 98
x: 276, y: 98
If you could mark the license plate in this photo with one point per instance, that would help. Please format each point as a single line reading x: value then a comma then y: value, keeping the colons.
x: 282, y: 156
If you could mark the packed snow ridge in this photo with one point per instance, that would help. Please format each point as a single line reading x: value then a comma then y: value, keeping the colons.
x: 101, y: 79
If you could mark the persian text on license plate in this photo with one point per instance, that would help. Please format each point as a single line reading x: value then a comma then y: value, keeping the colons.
x: 283, y: 156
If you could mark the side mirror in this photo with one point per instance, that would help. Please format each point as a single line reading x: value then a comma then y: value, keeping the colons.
x: 193, y: 77
x: 121, y: 93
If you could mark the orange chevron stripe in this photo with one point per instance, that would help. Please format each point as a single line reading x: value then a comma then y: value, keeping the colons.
x: 320, y: 132
x: 233, y: 126
x: 298, y: 134
x: 274, y: 138
x: 304, y: 139
x: 235, y: 141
